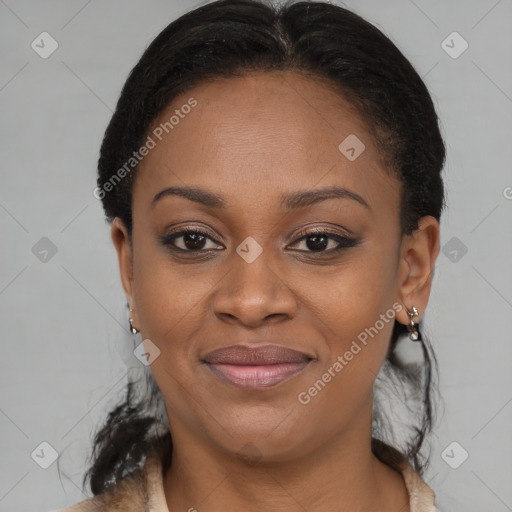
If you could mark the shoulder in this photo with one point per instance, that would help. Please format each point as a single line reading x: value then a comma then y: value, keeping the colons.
x: 132, y: 494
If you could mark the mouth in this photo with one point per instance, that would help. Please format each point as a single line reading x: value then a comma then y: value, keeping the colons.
x: 256, y: 368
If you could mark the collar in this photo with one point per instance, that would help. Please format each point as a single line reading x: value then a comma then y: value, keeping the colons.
x: 144, y: 492
x: 420, y: 494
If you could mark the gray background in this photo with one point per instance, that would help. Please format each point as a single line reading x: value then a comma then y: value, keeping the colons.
x: 65, y: 346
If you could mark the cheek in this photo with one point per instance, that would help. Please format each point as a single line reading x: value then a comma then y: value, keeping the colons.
x: 353, y: 308
x: 357, y: 329
x: 170, y: 304
x: 352, y: 296
x: 173, y: 302
x: 168, y: 298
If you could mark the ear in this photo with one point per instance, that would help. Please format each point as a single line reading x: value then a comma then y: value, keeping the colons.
x: 122, y: 243
x: 418, y: 254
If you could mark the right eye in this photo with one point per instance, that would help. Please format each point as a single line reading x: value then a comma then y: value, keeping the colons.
x: 189, y: 240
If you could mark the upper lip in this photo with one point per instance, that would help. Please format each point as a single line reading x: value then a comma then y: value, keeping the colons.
x: 266, y: 354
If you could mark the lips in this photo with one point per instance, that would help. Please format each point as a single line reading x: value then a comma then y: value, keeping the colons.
x: 256, y: 368
x: 265, y: 355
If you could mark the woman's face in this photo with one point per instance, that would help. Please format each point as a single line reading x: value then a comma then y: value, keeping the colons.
x: 259, y: 151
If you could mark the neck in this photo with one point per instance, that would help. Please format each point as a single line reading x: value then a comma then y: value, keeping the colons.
x: 341, y: 474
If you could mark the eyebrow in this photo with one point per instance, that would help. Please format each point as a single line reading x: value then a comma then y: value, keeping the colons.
x: 296, y: 200
x: 308, y: 197
x: 193, y: 193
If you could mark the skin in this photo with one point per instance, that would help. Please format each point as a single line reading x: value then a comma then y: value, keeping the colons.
x: 250, y: 140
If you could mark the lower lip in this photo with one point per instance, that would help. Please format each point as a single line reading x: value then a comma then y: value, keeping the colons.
x: 256, y: 376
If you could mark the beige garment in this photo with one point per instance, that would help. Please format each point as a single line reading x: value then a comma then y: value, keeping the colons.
x: 145, y: 493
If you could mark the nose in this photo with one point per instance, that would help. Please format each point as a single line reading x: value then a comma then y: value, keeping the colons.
x: 253, y: 294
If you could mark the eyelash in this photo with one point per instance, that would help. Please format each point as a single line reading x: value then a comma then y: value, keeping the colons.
x: 343, y: 241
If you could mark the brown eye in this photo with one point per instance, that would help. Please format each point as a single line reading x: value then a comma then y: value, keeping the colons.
x: 325, y: 241
x: 190, y: 240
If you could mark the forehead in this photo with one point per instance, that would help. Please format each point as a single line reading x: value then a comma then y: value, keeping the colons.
x: 261, y: 133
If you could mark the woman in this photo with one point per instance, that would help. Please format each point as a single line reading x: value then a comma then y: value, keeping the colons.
x: 273, y: 179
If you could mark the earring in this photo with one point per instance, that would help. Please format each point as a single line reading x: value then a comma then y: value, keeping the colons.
x: 413, y: 327
x: 133, y: 329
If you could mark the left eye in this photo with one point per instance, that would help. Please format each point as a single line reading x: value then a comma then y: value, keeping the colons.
x: 319, y: 241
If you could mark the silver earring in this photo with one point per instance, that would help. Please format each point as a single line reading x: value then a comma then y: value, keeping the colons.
x: 413, y: 327
x: 133, y: 329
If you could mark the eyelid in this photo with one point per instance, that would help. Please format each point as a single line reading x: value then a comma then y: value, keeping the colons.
x: 201, y: 229
x: 325, y: 228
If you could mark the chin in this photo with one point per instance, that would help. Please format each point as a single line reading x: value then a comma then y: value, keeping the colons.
x: 261, y: 435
